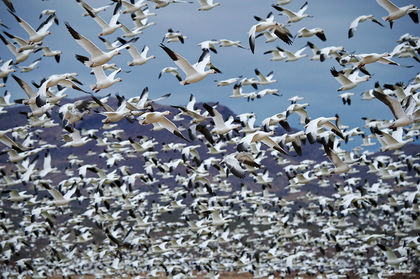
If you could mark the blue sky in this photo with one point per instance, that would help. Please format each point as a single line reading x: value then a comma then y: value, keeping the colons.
x: 231, y: 20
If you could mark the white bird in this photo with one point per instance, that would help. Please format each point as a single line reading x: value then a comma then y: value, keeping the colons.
x: 194, y: 73
x: 102, y: 80
x: 402, y: 118
x: 171, y: 70
x: 5, y: 70
x: 30, y: 67
x: 277, y: 54
x: 392, y: 141
x: 5, y: 100
x: 139, y: 58
x: 51, y: 53
x: 294, y: 56
x: 143, y: 14
x: 264, y: 137
x: 221, y: 127
x: 395, y: 12
x: 107, y: 28
x: 159, y: 120
x: 73, y: 139
x: 209, y: 45
x: 206, y: 5
x: 42, y: 30
x: 95, y: 11
x: 264, y: 80
x: 229, y: 43
x: 348, y: 82
x: 174, y: 36
x: 164, y: 3
x: 233, y: 160
x: 98, y: 57
x: 19, y: 56
x: 294, y: 16
x: 305, y: 32
x: 359, y: 19
x: 340, y: 166
x: 315, y: 127
x: 59, y: 199
x: 133, y: 7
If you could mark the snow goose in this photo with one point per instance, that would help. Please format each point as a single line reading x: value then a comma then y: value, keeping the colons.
x: 402, y: 118
x: 164, y: 3
x: 59, y: 198
x: 98, y: 57
x: 348, y: 82
x: 95, y: 11
x: 51, y: 53
x: 237, y: 92
x: 221, y: 127
x: 264, y: 80
x: 305, y: 32
x: 209, y: 45
x: 315, y: 127
x: 263, y: 25
x: 206, y: 5
x: 227, y: 82
x: 23, y: 44
x: 194, y: 73
x: 294, y: 16
x: 47, y: 169
x: 233, y: 160
x: 277, y: 54
x: 73, y: 112
x: 4, y: 139
x: 294, y: 56
x: 392, y: 141
x: 107, y: 28
x: 139, y: 58
x: 264, y: 137
x: 19, y: 56
x: 229, y: 43
x: 346, y: 98
x: 159, y: 120
x: 395, y: 12
x: 73, y: 139
x: 132, y: 7
x: 170, y: 70
x: 42, y: 30
x: 5, y: 100
x: 189, y: 110
x: 174, y: 36
x: 5, y: 70
x: 102, y: 80
x: 143, y: 14
x: 30, y: 67
x: 359, y: 19
x: 340, y: 166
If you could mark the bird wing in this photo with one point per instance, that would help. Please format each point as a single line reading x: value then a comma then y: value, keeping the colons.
x: 99, y: 73
x: 180, y: 61
x: 338, y: 75
x: 302, y: 9
x: 84, y: 42
x: 28, y: 90
x: 387, y: 5
x: 24, y: 25
x: 133, y: 51
x: 44, y: 26
x: 392, y: 103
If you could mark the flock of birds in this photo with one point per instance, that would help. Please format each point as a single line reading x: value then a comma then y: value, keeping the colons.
x: 194, y: 199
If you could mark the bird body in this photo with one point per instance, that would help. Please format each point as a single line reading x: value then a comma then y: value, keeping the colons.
x: 194, y: 73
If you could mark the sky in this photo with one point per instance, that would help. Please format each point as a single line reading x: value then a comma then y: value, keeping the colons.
x: 231, y: 20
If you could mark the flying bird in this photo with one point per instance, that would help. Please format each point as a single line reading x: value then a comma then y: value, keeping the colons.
x: 193, y: 73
